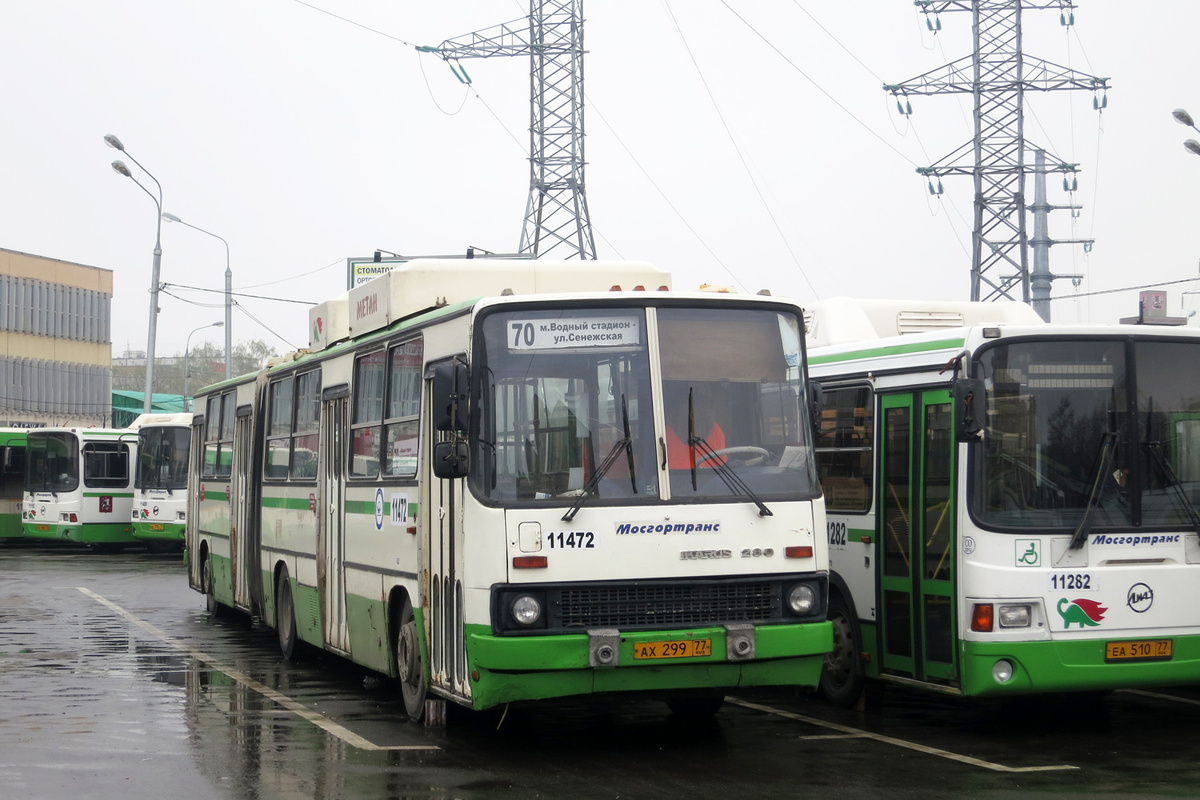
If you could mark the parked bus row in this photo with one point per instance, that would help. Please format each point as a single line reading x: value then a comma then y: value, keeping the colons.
x: 99, y: 487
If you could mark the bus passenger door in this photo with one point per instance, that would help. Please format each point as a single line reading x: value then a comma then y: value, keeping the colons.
x: 243, y: 544
x: 916, y: 535
x: 331, y: 530
x: 441, y: 512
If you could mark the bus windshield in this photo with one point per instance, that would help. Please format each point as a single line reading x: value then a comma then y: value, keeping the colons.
x: 162, y: 458
x: 51, y: 463
x: 564, y: 392
x: 1061, y: 434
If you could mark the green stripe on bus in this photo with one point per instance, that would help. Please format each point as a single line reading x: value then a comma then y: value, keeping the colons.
x: 109, y: 494
x: 895, y: 350
x: 294, y: 503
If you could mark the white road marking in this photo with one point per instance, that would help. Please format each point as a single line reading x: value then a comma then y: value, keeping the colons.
x: 297, y: 708
x: 920, y: 748
x: 1157, y: 696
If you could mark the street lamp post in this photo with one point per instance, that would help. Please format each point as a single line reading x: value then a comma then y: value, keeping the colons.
x: 120, y: 168
x: 228, y: 292
x: 1184, y: 118
x: 187, y: 372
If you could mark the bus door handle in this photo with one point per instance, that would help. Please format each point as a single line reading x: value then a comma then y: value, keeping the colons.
x: 662, y: 446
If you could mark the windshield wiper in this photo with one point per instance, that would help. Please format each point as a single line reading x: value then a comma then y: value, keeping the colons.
x: 1107, y: 446
x: 1155, y: 449
x: 625, y: 444
x: 731, y: 479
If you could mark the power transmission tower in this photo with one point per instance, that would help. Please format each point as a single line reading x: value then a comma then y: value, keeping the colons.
x: 556, y: 216
x: 997, y: 74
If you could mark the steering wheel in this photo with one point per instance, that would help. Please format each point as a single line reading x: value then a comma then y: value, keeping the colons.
x: 747, y: 455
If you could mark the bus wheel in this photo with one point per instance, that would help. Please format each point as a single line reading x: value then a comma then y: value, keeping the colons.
x: 215, y: 609
x: 409, y: 666
x: 285, y: 615
x: 842, y: 673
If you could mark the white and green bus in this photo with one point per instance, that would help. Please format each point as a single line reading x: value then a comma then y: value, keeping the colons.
x: 12, y: 481
x: 79, y: 486
x: 1012, y: 505
x: 507, y: 481
x: 159, y: 513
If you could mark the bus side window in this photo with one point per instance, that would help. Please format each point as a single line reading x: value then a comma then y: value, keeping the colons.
x: 845, y: 441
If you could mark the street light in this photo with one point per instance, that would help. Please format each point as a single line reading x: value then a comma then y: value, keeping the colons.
x: 120, y: 168
x: 187, y: 372
x: 228, y: 293
x: 1184, y: 118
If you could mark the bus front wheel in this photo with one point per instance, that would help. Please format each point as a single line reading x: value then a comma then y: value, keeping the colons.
x: 842, y: 678
x: 410, y: 668
x: 285, y: 615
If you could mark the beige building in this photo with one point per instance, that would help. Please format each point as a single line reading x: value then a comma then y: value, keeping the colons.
x: 55, y: 342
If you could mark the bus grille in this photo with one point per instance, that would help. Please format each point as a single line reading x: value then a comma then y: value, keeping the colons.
x: 657, y: 605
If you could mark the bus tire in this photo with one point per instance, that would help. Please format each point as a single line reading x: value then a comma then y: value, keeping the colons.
x: 214, y: 608
x: 842, y: 677
x: 410, y: 666
x: 285, y: 615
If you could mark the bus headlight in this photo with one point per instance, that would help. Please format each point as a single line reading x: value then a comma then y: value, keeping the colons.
x: 526, y: 610
x: 801, y: 599
x: 1014, y: 616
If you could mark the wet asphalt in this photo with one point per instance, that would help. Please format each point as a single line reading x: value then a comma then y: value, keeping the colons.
x: 115, y: 683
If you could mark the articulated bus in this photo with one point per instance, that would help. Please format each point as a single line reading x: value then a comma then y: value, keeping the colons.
x: 1011, y: 504
x: 12, y: 481
x: 79, y: 486
x: 558, y: 488
x: 159, y: 512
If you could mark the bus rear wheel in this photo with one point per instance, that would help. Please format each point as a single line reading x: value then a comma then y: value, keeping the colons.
x: 285, y: 615
x: 215, y: 609
x: 410, y: 667
x: 842, y: 677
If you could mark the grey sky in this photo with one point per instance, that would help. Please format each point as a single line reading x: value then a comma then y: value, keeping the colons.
x: 303, y: 140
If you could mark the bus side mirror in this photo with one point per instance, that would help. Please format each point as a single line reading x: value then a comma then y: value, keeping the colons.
x: 970, y: 409
x: 450, y: 459
x: 815, y: 396
x: 450, y: 381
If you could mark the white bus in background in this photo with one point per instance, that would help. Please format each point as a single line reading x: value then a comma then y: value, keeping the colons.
x: 1012, y: 505
x: 159, y: 514
x: 503, y: 481
x: 79, y: 486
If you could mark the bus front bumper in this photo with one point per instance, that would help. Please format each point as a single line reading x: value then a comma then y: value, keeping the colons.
x: 1070, y: 666
x: 511, y: 668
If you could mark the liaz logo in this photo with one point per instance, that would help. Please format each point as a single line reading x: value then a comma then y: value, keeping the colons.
x: 1082, y: 611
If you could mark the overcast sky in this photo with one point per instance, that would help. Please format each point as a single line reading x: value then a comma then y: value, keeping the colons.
x: 745, y: 142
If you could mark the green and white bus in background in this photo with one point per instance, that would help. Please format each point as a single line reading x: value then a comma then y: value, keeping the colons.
x: 79, y: 486
x: 501, y: 481
x: 12, y: 481
x: 1012, y: 505
x: 159, y: 512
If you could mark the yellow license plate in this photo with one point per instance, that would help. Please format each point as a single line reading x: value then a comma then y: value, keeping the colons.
x: 682, y: 648
x: 1142, y: 650
x: 43, y: 527
x: 154, y: 526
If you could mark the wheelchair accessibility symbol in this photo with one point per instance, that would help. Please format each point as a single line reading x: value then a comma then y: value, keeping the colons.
x: 1029, y: 553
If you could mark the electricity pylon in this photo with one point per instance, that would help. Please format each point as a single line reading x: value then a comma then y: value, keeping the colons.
x: 556, y: 216
x: 997, y: 74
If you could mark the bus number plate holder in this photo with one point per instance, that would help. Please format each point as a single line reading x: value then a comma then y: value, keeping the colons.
x: 680, y: 648
x: 1140, y: 650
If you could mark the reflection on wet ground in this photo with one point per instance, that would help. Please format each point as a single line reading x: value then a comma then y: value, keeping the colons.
x: 114, y: 683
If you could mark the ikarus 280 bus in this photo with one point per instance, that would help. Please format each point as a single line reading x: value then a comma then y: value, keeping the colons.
x: 79, y: 486
x: 1012, y: 504
x: 160, y: 482
x: 505, y: 481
